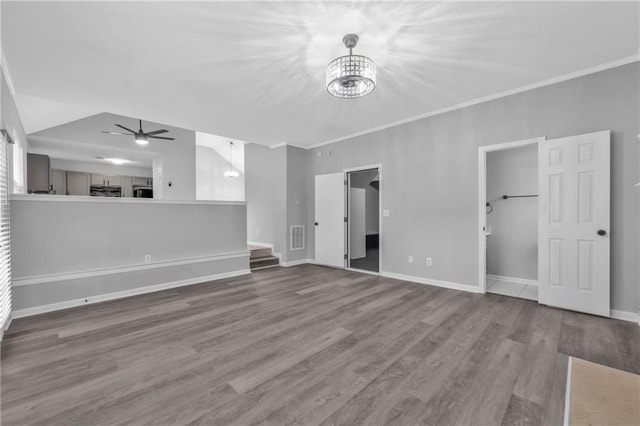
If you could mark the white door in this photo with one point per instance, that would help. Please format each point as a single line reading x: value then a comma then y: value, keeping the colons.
x: 573, y: 265
x: 329, y: 223
x: 357, y: 224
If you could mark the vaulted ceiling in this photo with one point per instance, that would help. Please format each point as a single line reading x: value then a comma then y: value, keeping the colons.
x: 255, y: 71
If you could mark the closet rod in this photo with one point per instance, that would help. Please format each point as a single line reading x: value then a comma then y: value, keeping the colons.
x: 505, y: 197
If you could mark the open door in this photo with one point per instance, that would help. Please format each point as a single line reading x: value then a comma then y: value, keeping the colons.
x: 329, y: 224
x: 573, y: 239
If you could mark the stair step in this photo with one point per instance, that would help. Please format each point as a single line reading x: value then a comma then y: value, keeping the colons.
x: 264, y: 261
x: 260, y: 252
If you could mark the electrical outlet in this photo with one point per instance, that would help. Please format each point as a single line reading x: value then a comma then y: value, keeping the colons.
x: 257, y: 231
x: 429, y: 261
x: 386, y: 213
x: 410, y: 259
x: 147, y: 258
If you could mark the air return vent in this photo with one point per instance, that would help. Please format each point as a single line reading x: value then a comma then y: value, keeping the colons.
x: 296, y: 241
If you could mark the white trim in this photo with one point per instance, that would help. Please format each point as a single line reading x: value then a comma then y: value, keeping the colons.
x: 625, y: 316
x: 7, y: 74
x: 567, y: 393
x: 482, y: 200
x: 20, y: 313
x: 364, y: 271
x: 43, y: 279
x: 525, y: 88
x: 278, y: 145
x: 513, y: 280
x: 265, y: 245
x: 429, y: 281
x: 126, y: 200
x: 296, y: 262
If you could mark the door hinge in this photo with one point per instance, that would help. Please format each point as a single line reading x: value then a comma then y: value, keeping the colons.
x: 346, y: 182
x: 346, y: 219
x: 345, y: 257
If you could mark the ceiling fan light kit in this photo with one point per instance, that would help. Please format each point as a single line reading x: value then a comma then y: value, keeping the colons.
x: 351, y: 76
x: 141, y: 137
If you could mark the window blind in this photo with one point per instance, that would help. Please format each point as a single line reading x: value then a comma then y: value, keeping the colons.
x: 5, y: 246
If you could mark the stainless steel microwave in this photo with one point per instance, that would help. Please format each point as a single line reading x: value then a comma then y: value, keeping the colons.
x: 142, y: 191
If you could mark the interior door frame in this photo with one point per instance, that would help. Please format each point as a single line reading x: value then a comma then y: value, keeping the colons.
x: 346, y: 213
x: 482, y: 200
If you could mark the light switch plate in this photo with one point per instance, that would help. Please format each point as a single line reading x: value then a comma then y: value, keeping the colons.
x: 386, y: 213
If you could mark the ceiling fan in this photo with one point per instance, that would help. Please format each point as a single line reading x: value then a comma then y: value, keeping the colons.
x: 141, y: 137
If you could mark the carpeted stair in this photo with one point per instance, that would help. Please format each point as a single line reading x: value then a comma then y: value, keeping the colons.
x: 261, y: 257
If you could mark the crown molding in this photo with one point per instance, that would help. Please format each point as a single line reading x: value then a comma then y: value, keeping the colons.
x: 536, y: 85
x: 7, y: 74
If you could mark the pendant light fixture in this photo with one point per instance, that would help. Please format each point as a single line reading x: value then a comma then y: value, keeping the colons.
x: 231, y: 173
x: 351, y: 76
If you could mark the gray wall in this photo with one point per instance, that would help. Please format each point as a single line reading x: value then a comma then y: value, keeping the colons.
x: 265, y: 192
x: 96, y: 238
x: 276, y: 181
x: 64, y: 236
x: 372, y: 197
x: 512, y: 247
x: 300, y: 189
x: 430, y: 168
x: 178, y: 166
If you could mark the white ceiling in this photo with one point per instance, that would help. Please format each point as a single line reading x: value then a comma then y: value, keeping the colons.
x: 254, y: 71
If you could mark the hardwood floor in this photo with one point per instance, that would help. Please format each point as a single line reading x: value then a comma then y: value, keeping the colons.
x: 305, y: 345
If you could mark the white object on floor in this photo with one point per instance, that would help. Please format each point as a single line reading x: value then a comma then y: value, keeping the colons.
x: 505, y: 288
x: 512, y: 289
x: 530, y: 292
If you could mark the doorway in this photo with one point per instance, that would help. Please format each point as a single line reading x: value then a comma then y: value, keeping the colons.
x: 512, y: 222
x: 363, y: 219
x: 573, y: 214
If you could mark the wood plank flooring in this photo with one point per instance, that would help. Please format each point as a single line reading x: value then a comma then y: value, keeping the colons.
x: 303, y: 345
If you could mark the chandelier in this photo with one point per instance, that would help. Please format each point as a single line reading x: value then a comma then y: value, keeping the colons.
x: 351, y: 76
x: 231, y: 173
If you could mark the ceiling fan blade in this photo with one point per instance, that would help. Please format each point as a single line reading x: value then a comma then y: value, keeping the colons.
x: 128, y: 130
x: 162, y: 137
x: 118, y: 133
x: 156, y: 132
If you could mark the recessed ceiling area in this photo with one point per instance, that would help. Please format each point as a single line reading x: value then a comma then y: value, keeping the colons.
x: 255, y: 71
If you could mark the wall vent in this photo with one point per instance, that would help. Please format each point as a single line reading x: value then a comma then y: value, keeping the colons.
x: 296, y: 241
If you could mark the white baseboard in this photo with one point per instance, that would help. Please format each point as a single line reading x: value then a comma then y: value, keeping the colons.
x: 513, y: 279
x: 625, y: 316
x: 296, y: 262
x: 429, y: 281
x: 120, y: 294
x: 256, y: 243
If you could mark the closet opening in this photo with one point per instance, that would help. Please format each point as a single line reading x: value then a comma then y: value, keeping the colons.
x: 363, y: 220
x: 510, y: 264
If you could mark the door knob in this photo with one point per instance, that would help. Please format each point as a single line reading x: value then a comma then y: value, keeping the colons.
x: 316, y: 224
x: 602, y: 232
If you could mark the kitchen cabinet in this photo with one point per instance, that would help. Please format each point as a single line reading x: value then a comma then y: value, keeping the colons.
x: 142, y: 181
x: 105, y: 180
x: 98, y: 179
x: 37, y: 174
